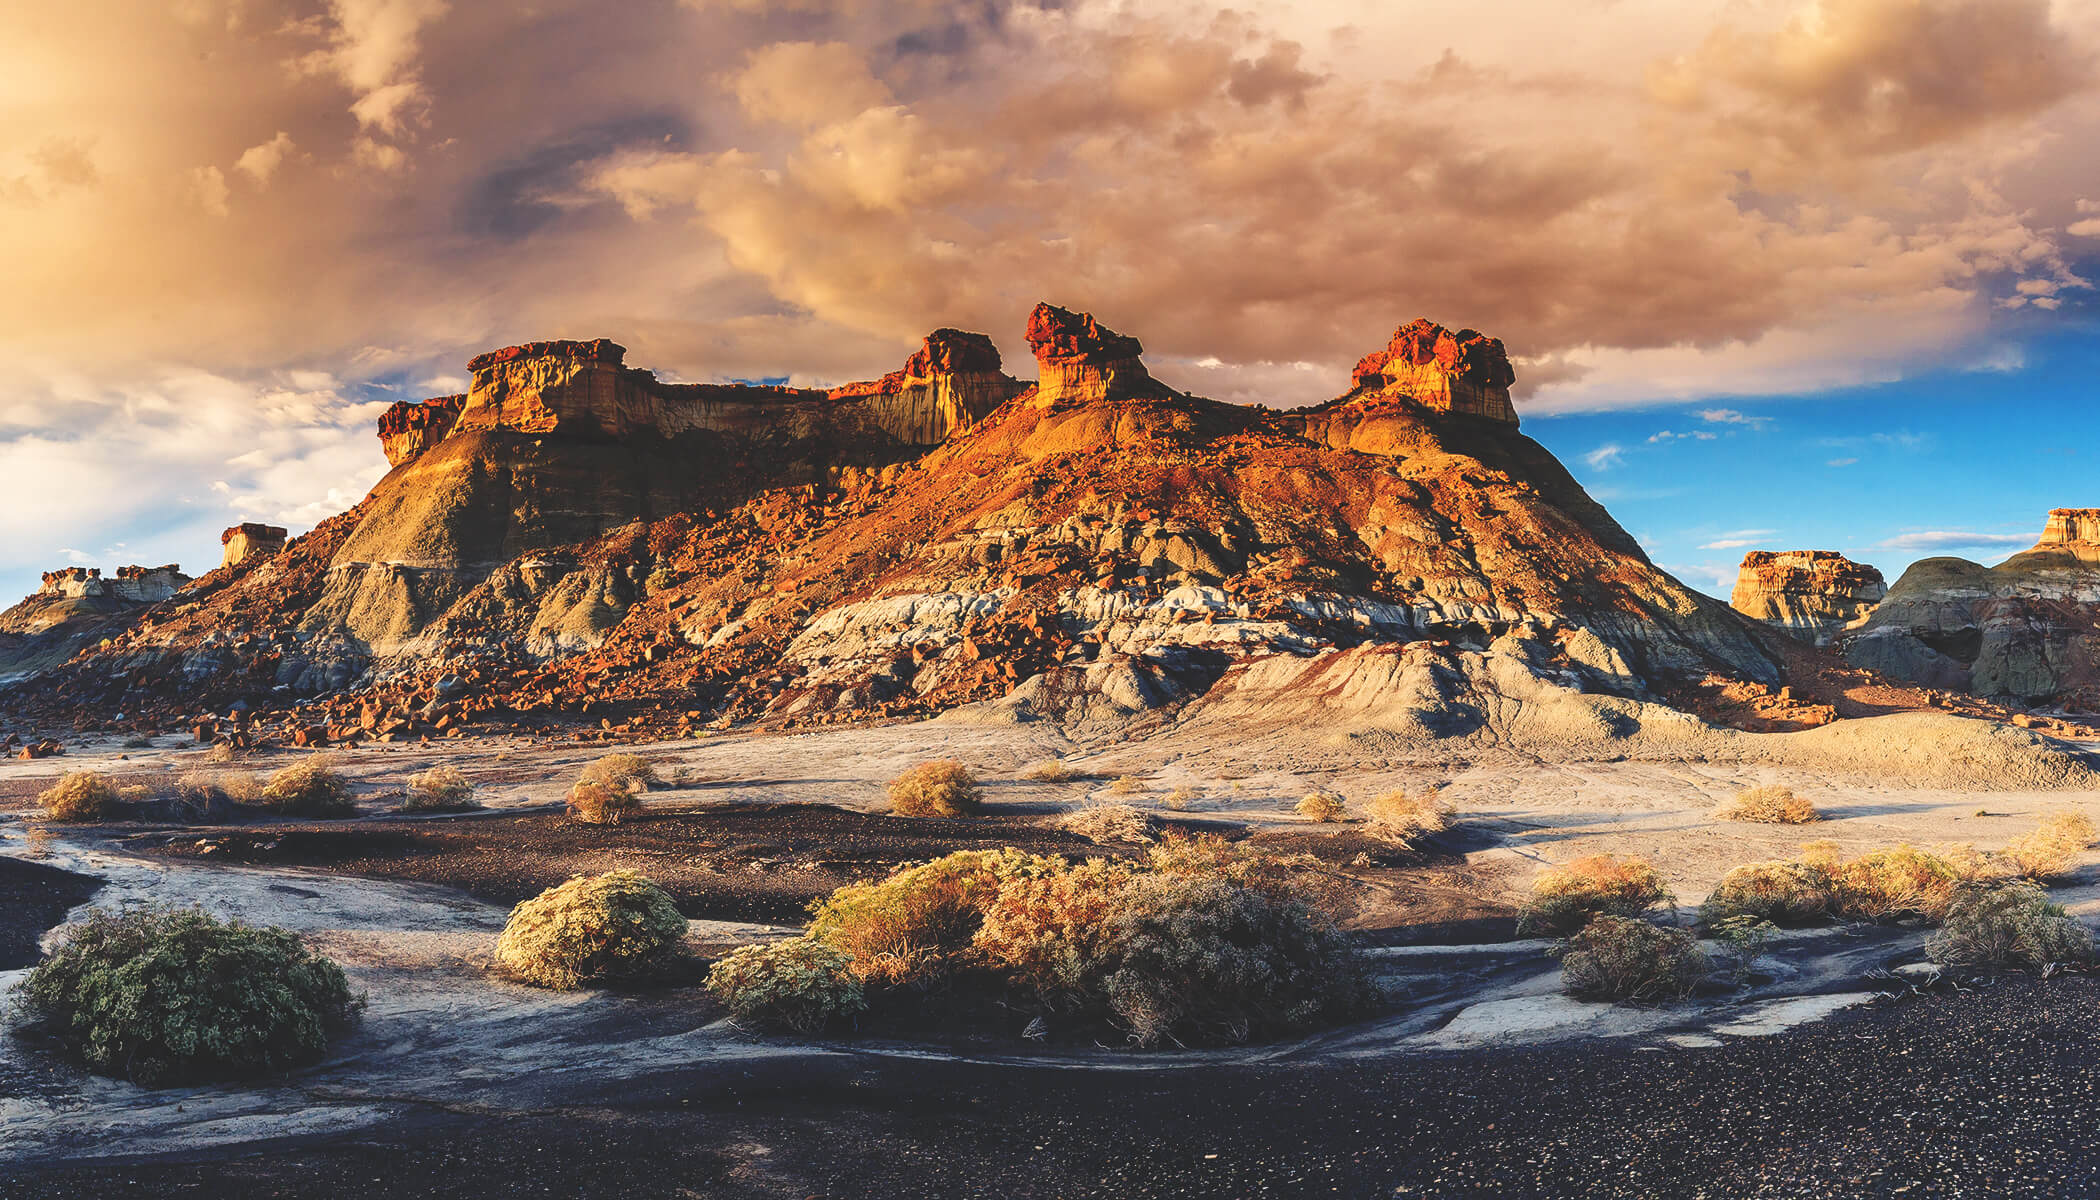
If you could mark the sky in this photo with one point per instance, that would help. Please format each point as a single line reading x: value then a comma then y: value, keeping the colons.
x: 1774, y: 273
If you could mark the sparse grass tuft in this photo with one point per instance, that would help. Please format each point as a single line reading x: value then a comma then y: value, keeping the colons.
x: 1893, y: 882
x: 1768, y: 806
x: 1126, y: 785
x: 1624, y: 958
x: 1322, y: 807
x: 629, y: 771
x: 1181, y: 799
x: 1052, y: 770
x: 2007, y: 924
x: 80, y: 796
x: 1403, y: 816
x: 601, y: 804
x: 442, y: 788
x: 616, y: 926
x: 311, y: 787
x: 202, y: 794
x: 1565, y: 897
x: 936, y: 789
x: 1109, y: 823
x: 2052, y: 849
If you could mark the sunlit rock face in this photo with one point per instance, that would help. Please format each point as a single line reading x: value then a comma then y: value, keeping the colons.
x: 410, y: 427
x: 1465, y: 372
x: 248, y: 541
x: 2025, y: 630
x: 1811, y: 594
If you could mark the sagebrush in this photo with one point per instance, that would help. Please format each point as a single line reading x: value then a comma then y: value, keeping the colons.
x: 1404, y: 816
x: 803, y: 984
x: 1322, y: 806
x: 1782, y: 892
x: 1109, y: 823
x: 1769, y: 806
x: 442, y: 788
x: 935, y: 789
x: 1563, y: 898
x: 311, y: 787
x: 2009, y: 923
x: 1625, y: 958
x: 603, y: 928
x: 80, y: 796
x: 913, y: 927
x: 164, y: 995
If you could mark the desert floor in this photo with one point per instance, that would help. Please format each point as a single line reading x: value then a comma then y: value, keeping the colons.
x: 1825, y: 1074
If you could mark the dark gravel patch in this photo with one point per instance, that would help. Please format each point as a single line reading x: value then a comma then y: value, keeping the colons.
x: 747, y: 862
x: 33, y: 898
x: 1989, y: 1094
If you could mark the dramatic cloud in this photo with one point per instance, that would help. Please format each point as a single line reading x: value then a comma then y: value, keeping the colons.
x: 1649, y: 202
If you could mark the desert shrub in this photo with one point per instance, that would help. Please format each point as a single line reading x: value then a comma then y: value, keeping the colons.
x: 2050, y: 851
x: 1405, y: 816
x: 914, y: 926
x: 1052, y: 770
x: 1893, y: 882
x: 1566, y: 896
x: 80, y: 796
x: 1625, y: 958
x: 163, y: 995
x: 802, y: 984
x: 1323, y: 807
x: 598, y: 804
x: 2007, y: 923
x: 1181, y: 799
x: 1784, y: 893
x: 440, y: 789
x: 1769, y: 806
x: 311, y: 787
x: 1126, y: 785
x: 935, y: 789
x: 622, y: 772
x: 222, y: 752
x: 1297, y: 877
x: 211, y: 793
x: 1209, y: 958
x: 614, y: 926
x: 1050, y: 931
x: 1743, y: 940
x: 1109, y: 823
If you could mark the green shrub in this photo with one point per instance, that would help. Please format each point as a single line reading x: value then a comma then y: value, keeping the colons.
x: 1625, y: 958
x: 1768, y: 806
x: 1784, y: 893
x: 1566, y: 896
x: 311, y: 787
x: 2005, y: 924
x: 1204, y: 958
x: 1743, y: 939
x: 163, y: 995
x: 935, y: 789
x: 440, y: 789
x: 914, y: 926
x: 616, y: 926
x: 802, y: 984
x: 80, y: 796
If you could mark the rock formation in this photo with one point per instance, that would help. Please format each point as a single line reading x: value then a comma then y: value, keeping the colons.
x: 1811, y: 594
x: 2026, y: 630
x: 577, y: 538
x: 248, y: 541
x: 74, y: 607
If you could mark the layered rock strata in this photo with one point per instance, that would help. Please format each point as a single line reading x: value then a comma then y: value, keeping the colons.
x: 248, y: 541
x: 2026, y: 630
x: 1811, y: 594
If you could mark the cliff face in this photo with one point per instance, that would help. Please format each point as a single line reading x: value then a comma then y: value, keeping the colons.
x: 75, y: 607
x: 2027, y: 629
x: 575, y: 532
x: 1811, y: 594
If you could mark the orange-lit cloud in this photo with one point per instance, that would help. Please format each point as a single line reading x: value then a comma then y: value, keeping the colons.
x: 1648, y: 199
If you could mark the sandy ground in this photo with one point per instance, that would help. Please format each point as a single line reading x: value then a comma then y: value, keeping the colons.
x: 443, y: 1035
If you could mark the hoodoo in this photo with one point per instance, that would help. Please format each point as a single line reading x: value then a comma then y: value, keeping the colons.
x: 1811, y: 594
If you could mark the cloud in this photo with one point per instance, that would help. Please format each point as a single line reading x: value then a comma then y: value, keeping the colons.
x: 1737, y: 539
x: 1665, y: 435
x: 261, y: 161
x: 1841, y: 462
x: 1944, y: 539
x: 1605, y: 457
x: 208, y: 184
x: 1729, y: 416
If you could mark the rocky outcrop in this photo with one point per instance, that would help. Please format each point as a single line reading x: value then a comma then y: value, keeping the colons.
x: 1078, y: 358
x: 1099, y: 546
x: 248, y: 541
x: 74, y: 607
x: 1465, y: 372
x: 1811, y: 594
x: 410, y: 427
x: 133, y: 584
x: 2026, y: 630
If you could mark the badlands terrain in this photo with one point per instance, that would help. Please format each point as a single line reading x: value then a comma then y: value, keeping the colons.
x: 786, y: 598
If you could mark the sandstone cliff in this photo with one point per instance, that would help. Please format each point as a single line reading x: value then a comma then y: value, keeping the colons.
x: 2026, y: 630
x: 1811, y: 594
x: 75, y: 607
x: 574, y: 536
